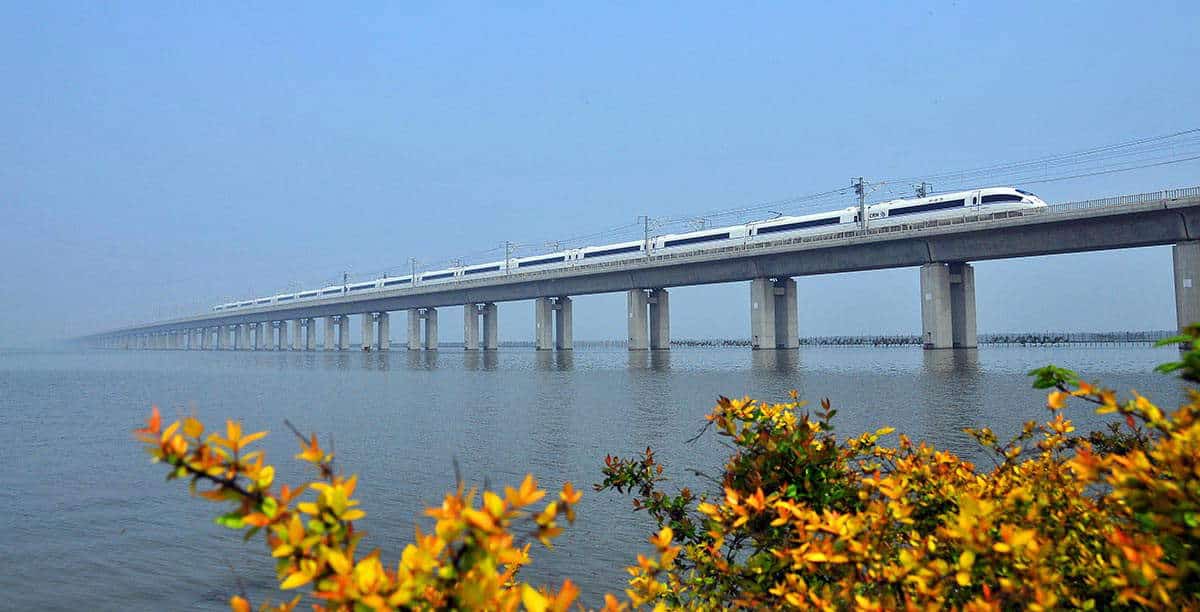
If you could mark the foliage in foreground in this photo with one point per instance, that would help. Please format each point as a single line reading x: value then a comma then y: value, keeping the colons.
x: 802, y: 519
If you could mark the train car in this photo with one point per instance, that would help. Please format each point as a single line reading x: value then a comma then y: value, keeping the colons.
x: 700, y: 239
x: 396, y: 282
x: 283, y: 297
x: 982, y: 201
x: 437, y: 276
x: 817, y: 223
x: 484, y: 270
x: 621, y: 250
x: 363, y: 286
x: 332, y: 290
x: 308, y: 295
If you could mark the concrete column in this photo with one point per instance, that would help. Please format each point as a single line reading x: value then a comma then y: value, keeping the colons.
x: 470, y: 327
x: 243, y: 337
x: 205, y: 339
x: 297, y: 343
x: 329, y: 342
x: 368, y: 330
x: 414, y: 329
x: 266, y: 336
x: 962, y: 305
x: 638, y: 338
x: 282, y: 344
x: 491, y: 327
x: 660, y: 320
x: 431, y: 329
x: 1186, y: 256
x: 543, y: 329
x: 787, y: 315
x: 762, y: 314
x: 773, y: 314
x: 344, y: 333
x: 384, y: 327
x: 936, y: 318
x: 563, y: 334
x: 310, y: 334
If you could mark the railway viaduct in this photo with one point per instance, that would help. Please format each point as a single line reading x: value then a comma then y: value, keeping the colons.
x: 943, y: 249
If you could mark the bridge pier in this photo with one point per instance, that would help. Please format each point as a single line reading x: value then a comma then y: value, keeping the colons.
x: 368, y: 330
x: 563, y: 324
x: 491, y: 326
x: 383, y: 329
x: 281, y: 342
x: 948, y: 306
x: 415, y: 315
x: 344, y: 333
x: 655, y: 303
x: 297, y: 343
x: 414, y: 329
x: 553, y: 323
x: 471, y: 327
x: 774, y: 320
x: 1186, y: 259
x: 431, y: 329
x: 266, y: 336
x: 329, y: 343
x: 310, y: 334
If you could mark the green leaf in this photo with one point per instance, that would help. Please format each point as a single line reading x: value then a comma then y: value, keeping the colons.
x: 233, y: 520
x: 269, y: 507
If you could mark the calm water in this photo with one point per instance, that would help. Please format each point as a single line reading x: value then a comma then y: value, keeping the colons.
x: 91, y: 524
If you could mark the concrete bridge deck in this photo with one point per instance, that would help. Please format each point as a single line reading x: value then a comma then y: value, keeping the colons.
x: 942, y: 247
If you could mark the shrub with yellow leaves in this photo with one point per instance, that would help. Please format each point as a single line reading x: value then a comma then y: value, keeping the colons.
x: 801, y: 519
x: 805, y: 520
x: 470, y: 561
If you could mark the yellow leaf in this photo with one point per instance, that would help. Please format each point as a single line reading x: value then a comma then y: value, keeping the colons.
x: 533, y: 600
x: 194, y: 428
x: 266, y: 476
x: 251, y: 438
x: 1056, y: 400
x: 239, y: 604
x: 295, y: 580
x: 338, y: 562
x: 966, y: 559
x: 353, y: 514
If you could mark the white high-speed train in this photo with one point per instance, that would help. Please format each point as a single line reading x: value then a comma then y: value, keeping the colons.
x: 883, y: 214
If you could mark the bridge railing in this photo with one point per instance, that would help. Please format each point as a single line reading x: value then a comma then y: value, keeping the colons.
x: 1153, y: 197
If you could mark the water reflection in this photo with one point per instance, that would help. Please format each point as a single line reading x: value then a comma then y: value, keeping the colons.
x: 786, y: 361
x: 654, y: 361
x: 480, y: 360
x: 555, y: 360
x: 954, y: 378
x: 422, y: 360
x: 954, y: 361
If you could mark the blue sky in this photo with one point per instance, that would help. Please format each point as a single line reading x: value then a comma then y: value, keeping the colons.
x: 157, y: 158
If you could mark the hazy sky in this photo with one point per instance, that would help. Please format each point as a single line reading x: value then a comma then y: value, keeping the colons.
x: 157, y: 158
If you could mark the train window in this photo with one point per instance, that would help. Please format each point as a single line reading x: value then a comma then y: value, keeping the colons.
x: 784, y: 227
x: 696, y: 239
x: 616, y: 251
x: 920, y: 208
x: 482, y: 270
x: 1001, y: 197
x: 540, y: 262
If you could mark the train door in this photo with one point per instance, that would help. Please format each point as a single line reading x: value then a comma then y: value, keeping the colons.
x: 975, y: 199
